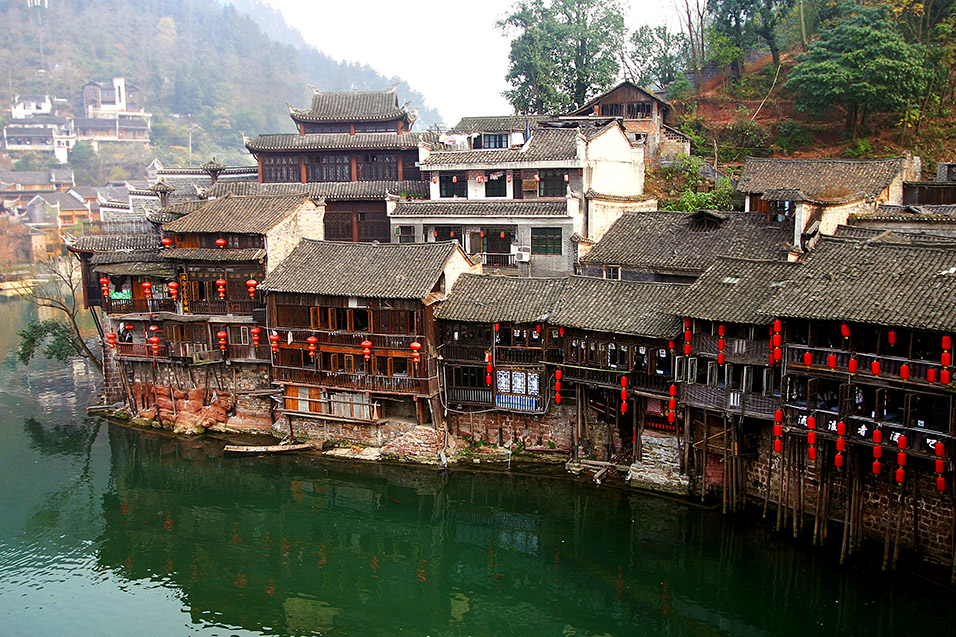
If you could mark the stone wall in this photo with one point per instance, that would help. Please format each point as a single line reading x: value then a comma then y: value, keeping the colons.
x: 500, y: 427
x: 659, y: 467
x: 342, y: 432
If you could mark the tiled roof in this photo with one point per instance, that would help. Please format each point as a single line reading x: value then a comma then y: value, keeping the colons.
x: 818, y: 180
x: 873, y: 282
x: 733, y: 290
x: 329, y: 190
x: 115, y: 242
x: 35, y: 177
x: 340, y: 141
x: 916, y: 214
x: 589, y: 106
x: 238, y: 214
x: 672, y: 242
x: 65, y: 201
x: 96, y: 123
x: 621, y: 307
x: 483, y: 208
x: 124, y: 256
x: 184, y: 207
x: 546, y: 144
x: 867, y: 233
x: 148, y: 268
x: 351, y: 105
x: 213, y: 254
x: 489, y: 298
x: 377, y: 270
x: 498, y: 123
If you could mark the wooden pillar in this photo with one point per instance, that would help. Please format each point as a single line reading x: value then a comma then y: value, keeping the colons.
x: 259, y: 161
x: 355, y: 222
x: 578, y: 397
x: 401, y: 163
x: 640, y: 409
x: 302, y: 168
x: 353, y: 167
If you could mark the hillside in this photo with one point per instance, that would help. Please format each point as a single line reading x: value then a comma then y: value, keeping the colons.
x: 197, y: 63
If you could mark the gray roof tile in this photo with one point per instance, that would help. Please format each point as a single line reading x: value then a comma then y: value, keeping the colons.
x: 351, y: 105
x: 621, y: 307
x: 213, y: 254
x: 488, y: 298
x: 546, y: 144
x: 340, y: 141
x: 483, y: 208
x: 238, y: 214
x: 328, y: 190
x: 818, y: 180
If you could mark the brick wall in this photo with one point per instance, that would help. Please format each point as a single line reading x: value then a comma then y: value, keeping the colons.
x: 534, y: 431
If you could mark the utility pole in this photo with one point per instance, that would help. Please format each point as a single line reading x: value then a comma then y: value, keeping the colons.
x: 190, y: 130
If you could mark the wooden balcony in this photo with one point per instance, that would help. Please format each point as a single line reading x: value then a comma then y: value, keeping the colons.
x: 729, y: 400
x: 470, y: 395
x: 350, y: 339
x: 224, y: 306
x: 463, y: 353
x: 519, y: 355
x: 526, y: 404
x: 737, y: 350
x: 611, y: 379
x: 364, y: 382
x: 498, y: 260
x: 889, y: 365
x: 132, y: 306
x: 140, y: 350
x: 240, y: 352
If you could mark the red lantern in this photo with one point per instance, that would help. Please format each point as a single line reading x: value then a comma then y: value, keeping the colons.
x: 777, y: 340
x: 671, y: 417
x: 509, y: 179
x: 853, y: 365
x: 434, y: 180
x: 686, y: 349
x: 367, y: 350
x: 502, y: 234
x: 672, y: 390
x: 221, y: 242
x: 778, y: 445
x: 251, y: 285
x: 812, y: 453
x: 274, y: 340
x: 875, y: 368
x: 901, y: 442
x: 166, y: 241
x: 940, y: 465
x: 558, y: 374
x: 901, y: 459
x: 811, y: 437
x: 153, y: 328
x: 488, y: 368
x: 497, y: 326
x: 877, y: 436
x: 557, y: 399
x: 687, y: 335
x: 720, y: 330
x: 312, y: 342
x: 624, y: 408
x: 623, y: 395
x: 939, y: 448
x: 623, y: 381
x: 947, y: 342
x: 223, y: 337
x: 566, y: 177
x: 537, y: 329
x: 111, y: 340
x: 560, y: 331
x: 900, y: 475
x: 838, y: 460
x: 416, y: 347
x: 945, y: 377
x: 811, y: 423
x: 557, y: 385
x: 831, y: 361
x: 891, y: 337
x: 777, y: 325
x: 672, y: 404
x: 930, y: 375
x: 845, y: 330
x: 946, y: 359
x: 721, y: 343
x: 104, y: 281
x: 255, y: 331
x: 452, y: 234
x: 154, y: 345
x: 841, y: 445
x: 488, y: 380
x: 778, y: 430
x: 454, y: 179
x: 147, y: 289
x: 904, y: 371
x: 778, y: 415
x: 435, y: 233
x: 877, y: 467
x: 221, y: 288
x: 841, y: 428
x: 777, y: 354
x: 721, y: 358
x: 173, y: 289
x: 877, y: 452
x: 941, y: 483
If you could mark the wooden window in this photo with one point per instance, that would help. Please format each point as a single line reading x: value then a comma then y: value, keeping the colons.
x: 612, y: 272
x: 406, y: 234
x: 377, y: 167
x: 335, y: 167
x: 280, y: 169
x: 494, y: 140
x: 349, y: 363
x: 473, y: 377
x: 713, y: 371
x: 496, y: 187
x: 546, y: 241
x: 398, y: 366
x: 453, y: 185
x: 552, y: 183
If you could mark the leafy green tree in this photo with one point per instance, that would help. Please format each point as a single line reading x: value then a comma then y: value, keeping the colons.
x: 765, y: 17
x: 86, y: 164
x: 861, y: 63
x: 656, y: 55
x: 563, y: 53
x: 35, y: 160
x: 729, y: 33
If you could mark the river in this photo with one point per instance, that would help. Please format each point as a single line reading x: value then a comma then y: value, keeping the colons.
x: 108, y: 530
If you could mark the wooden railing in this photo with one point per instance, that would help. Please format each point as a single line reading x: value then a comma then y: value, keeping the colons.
x: 737, y: 350
x: 729, y: 400
x: 513, y: 402
x: 129, y: 306
x: 519, y: 355
x: 470, y: 395
x: 468, y: 353
x: 498, y: 260
x: 612, y: 378
x: 354, y: 339
x: 250, y: 352
x: 368, y: 382
x: 859, y: 430
x: 224, y: 306
x: 889, y: 365
x: 140, y: 350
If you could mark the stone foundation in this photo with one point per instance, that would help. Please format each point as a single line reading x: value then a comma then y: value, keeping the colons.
x: 659, y: 467
x: 545, y: 431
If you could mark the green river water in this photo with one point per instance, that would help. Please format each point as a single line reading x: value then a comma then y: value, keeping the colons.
x: 106, y: 530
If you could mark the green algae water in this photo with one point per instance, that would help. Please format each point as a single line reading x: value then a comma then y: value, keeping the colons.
x: 106, y: 530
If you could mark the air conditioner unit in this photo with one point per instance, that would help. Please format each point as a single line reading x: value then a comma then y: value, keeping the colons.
x: 523, y: 255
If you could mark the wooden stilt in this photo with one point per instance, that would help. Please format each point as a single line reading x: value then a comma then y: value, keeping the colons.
x: 780, y: 486
x: 703, y: 467
x: 766, y: 493
x: 825, y: 526
x: 899, y: 527
x: 798, y: 480
x: 817, y: 504
x: 726, y: 470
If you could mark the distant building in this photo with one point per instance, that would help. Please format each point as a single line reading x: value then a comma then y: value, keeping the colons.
x: 112, y: 99
x: 43, y: 133
x: 29, y: 105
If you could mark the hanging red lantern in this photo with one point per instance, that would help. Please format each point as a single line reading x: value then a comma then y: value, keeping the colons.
x: 623, y: 395
x: 111, y: 340
x: 223, y: 339
x: 153, y: 328
x: 777, y: 354
x: 221, y: 288
x: 166, y: 241
x: 812, y: 453
x: 778, y: 430
x: 877, y: 451
x: 154, y: 345
x: 841, y: 428
x: 721, y: 344
x: 537, y: 329
x: 623, y: 381
x: 670, y: 346
x: 875, y: 368
x: 831, y: 361
x: 488, y: 367
x: 807, y: 358
x: 940, y: 483
x: 434, y: 180
x: 435, y: 233
x: 454, y: 179
x: 147, y: 289
x: 778, y: 446
x: 687, y: 335
x: 845, y: 330
x: 557, y: 399
x: 509, y: 178
x: 497, y: 326
x: 560, y: 331
x: 891, y: 337
x: 901, y: 442
x: 672, y: 404
x: 566, y: 177
x: 721, y: 358
x: 557, y: 386
x: 672, y: 390
x: 482, y: 233
x: 488, y: 379
x: 623, y: 407
x: 221, y: 242
x: 173, y: 290
x: 945, y: 377
x: 557, y: 374
x: 778, y: 415
x: 930, y: 375
x: 877, y: 467
x: 312, y: 342
x: 105, y: 287
x: 251, y: 286
x: 367, y: 349
x: 274, y: 341
x: 104, y: 281
x: 853, y: 365
x: 671, y: 417
x: 777, y: 325
x: 939, y: 449
x: 877, y: 436
x: 720, y: 330
x: 687, y: 323
x: 947, y: 342
x: 904, y: 371
x: 811, y: 422
x: 255, y: 331
x: 777, y: 340
x: 502, y: 234
x: 841, y: 444
x: 416, y: 347
x: 945, y: 359
x: 901, y: 459
x: 452, y: 234
x: 838, y: 460
x: 900, y: 475
x: 811, y: 437
x: 686, y: 349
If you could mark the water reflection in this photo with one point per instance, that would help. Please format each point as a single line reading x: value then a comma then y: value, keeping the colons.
x: 303, y: 545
